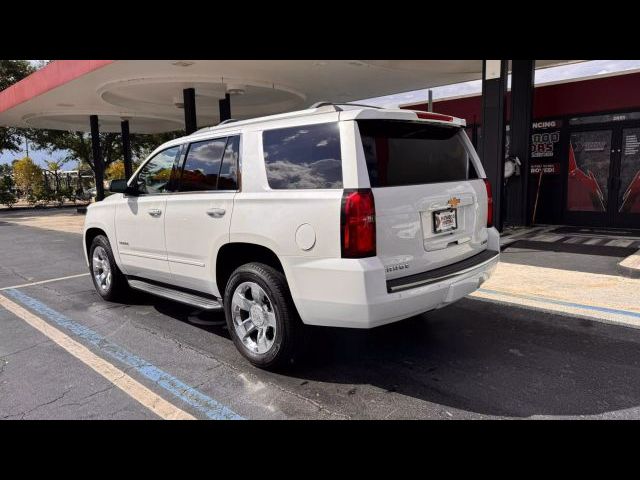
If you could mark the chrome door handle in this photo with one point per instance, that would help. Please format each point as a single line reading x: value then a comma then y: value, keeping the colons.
x: 216, y: 212
x: 154, y: 212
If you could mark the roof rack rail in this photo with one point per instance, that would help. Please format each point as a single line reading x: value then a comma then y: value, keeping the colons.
x: 335, y: 105
x: 228, y: 120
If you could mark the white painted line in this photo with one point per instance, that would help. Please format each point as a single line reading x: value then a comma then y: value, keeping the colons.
x: 619, y: 243
x: 593, y: 241
x: 45, y: 281
x: 574, y: 240
x: 124, y: 382
x: 603, y: 314
x: 546, y: 238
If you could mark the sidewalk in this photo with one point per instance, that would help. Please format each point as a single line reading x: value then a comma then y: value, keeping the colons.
x: 576, y: 239
x: 63, y: 219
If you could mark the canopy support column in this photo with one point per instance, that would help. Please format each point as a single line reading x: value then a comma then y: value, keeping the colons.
x: 190, y: 120
x: 126, y: 149
x: 98, y: 164
x: 517, y: 189
x: 225, y: 107
x: 494, y: 89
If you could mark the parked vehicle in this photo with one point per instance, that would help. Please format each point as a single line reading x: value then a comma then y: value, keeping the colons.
x: 339, y: 215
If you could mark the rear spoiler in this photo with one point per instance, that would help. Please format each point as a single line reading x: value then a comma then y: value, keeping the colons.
x: 402, y: 114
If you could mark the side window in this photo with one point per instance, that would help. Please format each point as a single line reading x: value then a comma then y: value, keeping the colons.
x: 228, y: 179
x: 303, y: 157
x: 202, y: 165
x: 155, y: 176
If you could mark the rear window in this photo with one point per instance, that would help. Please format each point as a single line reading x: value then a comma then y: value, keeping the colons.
x: 409, y: 153
x: 303, y: 157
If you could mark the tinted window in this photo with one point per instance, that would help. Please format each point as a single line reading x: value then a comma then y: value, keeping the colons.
x: 228, y: 179
x: 155, y: 176
x: 303, y: 157
x: 409, y: 153
x: 202, y: 165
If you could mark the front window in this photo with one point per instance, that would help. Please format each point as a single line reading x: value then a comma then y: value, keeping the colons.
x: 155, y: 176
x: 202, y: 165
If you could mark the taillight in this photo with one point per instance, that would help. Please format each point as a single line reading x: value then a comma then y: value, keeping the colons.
x: 358, y: 224
x: 489, y: 203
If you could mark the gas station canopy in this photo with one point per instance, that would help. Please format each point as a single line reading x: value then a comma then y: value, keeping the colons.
x: 149, y: 93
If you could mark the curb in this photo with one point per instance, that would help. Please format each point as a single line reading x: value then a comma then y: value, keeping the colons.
x: 630, y: 266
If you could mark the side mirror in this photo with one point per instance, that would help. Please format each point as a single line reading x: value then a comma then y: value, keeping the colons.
x: 120, y: 186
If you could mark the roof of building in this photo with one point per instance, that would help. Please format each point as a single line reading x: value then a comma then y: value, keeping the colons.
x: 148, y: 93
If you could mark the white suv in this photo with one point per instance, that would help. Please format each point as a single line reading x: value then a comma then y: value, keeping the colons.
x: 346, y: 216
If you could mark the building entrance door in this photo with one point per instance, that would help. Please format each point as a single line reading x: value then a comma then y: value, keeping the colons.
x: 603, y: 177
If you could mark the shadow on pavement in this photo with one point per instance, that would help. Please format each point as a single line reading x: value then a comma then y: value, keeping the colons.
x: 475, y: 356
x: 565, y: 256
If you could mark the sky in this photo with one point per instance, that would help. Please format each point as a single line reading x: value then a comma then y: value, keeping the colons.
x: 542, y: 76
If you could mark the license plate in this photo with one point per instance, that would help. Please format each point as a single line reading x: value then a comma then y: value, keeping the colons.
x: 445, y: 220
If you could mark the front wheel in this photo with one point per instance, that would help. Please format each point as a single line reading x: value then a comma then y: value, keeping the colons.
x: 261, y: 317
x: 109, y: 281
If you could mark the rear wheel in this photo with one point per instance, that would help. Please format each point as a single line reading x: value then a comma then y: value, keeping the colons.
x: 107, y: 278
x: 261, y: 317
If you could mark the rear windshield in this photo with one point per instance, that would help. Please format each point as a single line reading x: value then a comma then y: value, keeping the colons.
x: 409, y: 153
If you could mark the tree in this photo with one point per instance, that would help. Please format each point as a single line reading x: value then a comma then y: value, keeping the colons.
x: 28, y: 178
x: 12, y: 71
x: 7, y: 197
x: 5, y: 169
x: 78, y: 145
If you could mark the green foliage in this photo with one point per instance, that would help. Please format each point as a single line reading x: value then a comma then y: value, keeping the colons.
x: 7, y: 197
x: 28, y: 178
x: 78, y: 145
x: 5, y: 169
x: 12, y: 71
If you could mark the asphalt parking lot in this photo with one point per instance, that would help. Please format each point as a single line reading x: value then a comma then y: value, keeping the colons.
x: 474, y: 359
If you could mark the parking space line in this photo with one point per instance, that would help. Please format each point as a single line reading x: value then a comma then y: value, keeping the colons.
x: 560, y: 307
x: 198, y: 400
x: 45, y: 281
x: 124, y: 382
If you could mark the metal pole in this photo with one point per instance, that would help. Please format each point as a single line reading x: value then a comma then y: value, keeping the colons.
x: 98, y: 164
x: 126, y: 149
x: 430, y: 104
x: 190, y: 119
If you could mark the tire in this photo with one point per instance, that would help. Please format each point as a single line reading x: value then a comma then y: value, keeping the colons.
x: 276, y: 316
x: 117, y: 287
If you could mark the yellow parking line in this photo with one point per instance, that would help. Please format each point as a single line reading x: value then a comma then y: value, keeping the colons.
x: 124, y: 382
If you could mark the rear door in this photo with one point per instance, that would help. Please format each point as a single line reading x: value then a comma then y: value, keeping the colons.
x: 199, y: 216
x: 431, y: 205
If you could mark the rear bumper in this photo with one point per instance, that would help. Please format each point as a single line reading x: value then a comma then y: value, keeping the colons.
x: 354, y: 293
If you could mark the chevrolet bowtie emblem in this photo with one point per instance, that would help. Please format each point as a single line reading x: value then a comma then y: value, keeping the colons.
x: 453, y: 202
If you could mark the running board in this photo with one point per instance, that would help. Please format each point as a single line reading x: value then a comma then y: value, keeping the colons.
x: 176, y: 295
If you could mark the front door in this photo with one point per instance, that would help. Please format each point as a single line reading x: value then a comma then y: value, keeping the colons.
x: 603, y: 177
x: 140, y: 219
